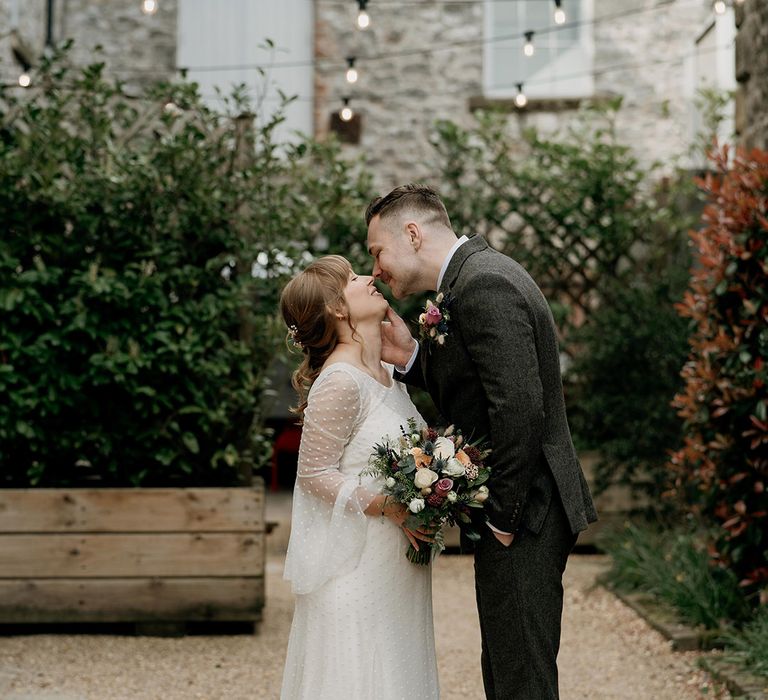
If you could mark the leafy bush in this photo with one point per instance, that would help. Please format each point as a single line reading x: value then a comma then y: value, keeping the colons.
x: 720, y: 472
x: 674, y: 566
x: 144, y: 244
x: 608, y: 251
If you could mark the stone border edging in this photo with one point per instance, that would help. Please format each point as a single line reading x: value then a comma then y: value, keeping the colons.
x: 683, y: 637
x: 739, y: 681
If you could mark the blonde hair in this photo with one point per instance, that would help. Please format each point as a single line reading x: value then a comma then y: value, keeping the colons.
x: 308, y: 304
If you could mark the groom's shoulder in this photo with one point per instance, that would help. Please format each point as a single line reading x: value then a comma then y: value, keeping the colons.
x: 489, y: 261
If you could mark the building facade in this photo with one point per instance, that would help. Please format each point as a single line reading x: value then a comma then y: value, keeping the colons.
x: 752, y: 74
x: 422, y: 60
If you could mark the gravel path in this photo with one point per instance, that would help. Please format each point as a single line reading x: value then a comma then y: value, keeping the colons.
x: 607, y: 652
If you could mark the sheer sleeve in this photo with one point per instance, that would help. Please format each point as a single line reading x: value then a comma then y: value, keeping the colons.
x: 328, y: 525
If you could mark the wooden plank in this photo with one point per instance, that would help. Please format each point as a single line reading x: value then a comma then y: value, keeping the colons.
x: 121, y: 555
x: 131, y: 600
x: 132, y: 510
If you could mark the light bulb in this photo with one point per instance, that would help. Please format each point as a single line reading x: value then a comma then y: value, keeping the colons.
x: 24, y: 79
x: 351, y: 75
x: 559, y: 16
x: 719, y: 7
x: 149, y: 7
x: 528, y: 48
x: 363, y: 19
x: 346, y: 114
x: 521, y: 100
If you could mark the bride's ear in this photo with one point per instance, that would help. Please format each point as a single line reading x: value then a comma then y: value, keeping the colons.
x: 340, y: 312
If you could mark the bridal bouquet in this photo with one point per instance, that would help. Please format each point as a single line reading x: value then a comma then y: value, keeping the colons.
x: 438, y: 476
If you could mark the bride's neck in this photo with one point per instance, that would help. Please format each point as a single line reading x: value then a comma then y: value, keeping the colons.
x: 365, y: 345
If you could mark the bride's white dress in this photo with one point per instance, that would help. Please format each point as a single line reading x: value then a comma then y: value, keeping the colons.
x: 362, y: 626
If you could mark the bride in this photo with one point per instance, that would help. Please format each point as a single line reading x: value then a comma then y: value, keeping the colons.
x: 362, y: 624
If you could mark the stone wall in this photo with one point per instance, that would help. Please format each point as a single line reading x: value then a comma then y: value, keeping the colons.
x: 136, y: 47
x: 399, y: 98
x: 752, y: 74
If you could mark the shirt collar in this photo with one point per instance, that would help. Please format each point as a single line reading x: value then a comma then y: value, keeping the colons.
x: 447, y: 260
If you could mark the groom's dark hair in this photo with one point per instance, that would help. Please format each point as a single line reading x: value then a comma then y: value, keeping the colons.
x: 417, y: 198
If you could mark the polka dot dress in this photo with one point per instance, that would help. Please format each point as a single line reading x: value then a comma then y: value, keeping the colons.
x: 362, y: 626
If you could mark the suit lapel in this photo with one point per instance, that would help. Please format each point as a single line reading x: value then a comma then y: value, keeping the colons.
x: 462, y: 254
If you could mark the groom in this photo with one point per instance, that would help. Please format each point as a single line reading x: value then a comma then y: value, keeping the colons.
x: 496, y: 374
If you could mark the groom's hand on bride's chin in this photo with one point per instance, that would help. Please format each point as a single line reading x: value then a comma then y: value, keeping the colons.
x: 506, y: 540
x: 397, y: 344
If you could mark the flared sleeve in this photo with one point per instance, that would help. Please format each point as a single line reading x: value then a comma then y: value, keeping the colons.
x: 328, y: 521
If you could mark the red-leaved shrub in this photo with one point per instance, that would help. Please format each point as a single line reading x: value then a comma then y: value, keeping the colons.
x: 721, y: 472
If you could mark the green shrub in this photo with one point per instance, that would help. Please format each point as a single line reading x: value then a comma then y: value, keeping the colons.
x: 144, y: 244
x: 675, y: 566
x: 609, y: 251
x: 720, y: 471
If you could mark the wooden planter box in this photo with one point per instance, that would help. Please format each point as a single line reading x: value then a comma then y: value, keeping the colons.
x: 153, y: 555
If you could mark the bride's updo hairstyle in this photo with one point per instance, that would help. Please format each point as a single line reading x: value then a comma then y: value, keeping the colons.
x: 309, y: 304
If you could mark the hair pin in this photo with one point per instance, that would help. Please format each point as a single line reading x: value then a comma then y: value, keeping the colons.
x: 294, y: 332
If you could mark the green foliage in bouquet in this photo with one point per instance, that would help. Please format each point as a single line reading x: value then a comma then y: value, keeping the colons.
x: 145, y: 240
x: 439, y: 477
x: 721, y: 471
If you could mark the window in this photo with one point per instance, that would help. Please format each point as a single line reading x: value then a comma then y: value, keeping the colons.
x: 562, y: 63
x: 712, y: 70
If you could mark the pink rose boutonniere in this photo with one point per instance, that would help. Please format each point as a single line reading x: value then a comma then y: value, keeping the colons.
x: 433, y: 321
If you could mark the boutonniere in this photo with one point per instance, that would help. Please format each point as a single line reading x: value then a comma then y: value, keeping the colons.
x: 433, y: 321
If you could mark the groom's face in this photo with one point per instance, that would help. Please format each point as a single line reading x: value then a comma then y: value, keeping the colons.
x: 394, y: 257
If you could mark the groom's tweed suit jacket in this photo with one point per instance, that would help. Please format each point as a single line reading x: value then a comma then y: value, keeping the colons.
x: 498, y: 376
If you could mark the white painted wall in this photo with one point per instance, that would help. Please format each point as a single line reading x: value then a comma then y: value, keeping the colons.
x: 231, y: 35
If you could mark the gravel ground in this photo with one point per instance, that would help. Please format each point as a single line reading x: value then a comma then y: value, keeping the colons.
x: 607, y: 652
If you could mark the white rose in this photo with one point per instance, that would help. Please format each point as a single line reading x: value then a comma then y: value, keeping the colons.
x: 416, y: 505
x: 390, y: 482
x: 452, y: 497
x: 422, y: 319
x: 424, y: 478
x: 481, y: 494
x: 454, y: 468
x: 439, y: 297
x: 415, y: 438
x: 444, y: 448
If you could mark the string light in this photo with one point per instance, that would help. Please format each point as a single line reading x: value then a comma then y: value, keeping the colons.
x: 520, y: 99
x: 719, y: 7
x: 559, y: 12
x: 351, y: 70
x: 149, y: 7
x: 528, y: 48
x: 363, y: 18
x: 24, y: 79
x: 346, y: 113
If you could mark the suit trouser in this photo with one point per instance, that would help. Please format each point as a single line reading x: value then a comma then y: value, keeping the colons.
x: 520, y: 602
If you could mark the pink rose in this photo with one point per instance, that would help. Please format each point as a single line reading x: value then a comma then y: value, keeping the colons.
x: 433, y: 316
x: 443, y: 486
